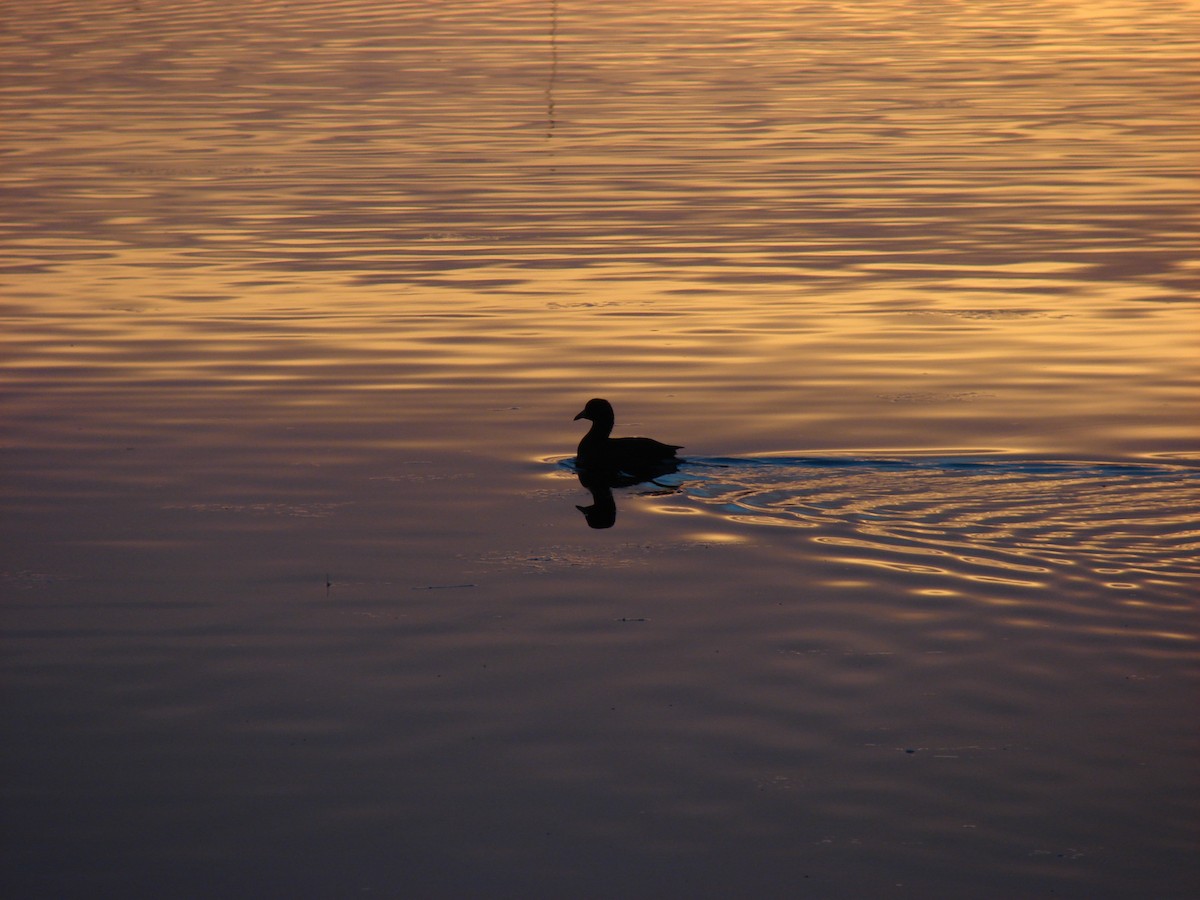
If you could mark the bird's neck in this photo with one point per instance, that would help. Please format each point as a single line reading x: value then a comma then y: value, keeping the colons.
x: 601, y: 429
x: 594, y: 445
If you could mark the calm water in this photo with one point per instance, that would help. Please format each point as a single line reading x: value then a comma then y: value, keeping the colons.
x: 300, y: 299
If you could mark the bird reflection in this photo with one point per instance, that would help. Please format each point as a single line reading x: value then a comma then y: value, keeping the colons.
x: 604, y: 462
x: 603, y: 511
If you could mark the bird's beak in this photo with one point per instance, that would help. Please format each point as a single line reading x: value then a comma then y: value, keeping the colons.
x: 582, y: 415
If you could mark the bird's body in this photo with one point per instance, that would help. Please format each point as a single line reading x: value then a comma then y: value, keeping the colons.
x: 600, y: 452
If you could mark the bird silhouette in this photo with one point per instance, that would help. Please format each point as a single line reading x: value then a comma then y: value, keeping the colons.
x: 620, y: 461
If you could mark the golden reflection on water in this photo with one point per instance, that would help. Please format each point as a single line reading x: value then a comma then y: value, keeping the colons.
x: 769, y: 227
x: 293, y: 295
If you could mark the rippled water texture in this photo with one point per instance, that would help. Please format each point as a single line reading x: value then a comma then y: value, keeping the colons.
x: 299, y: 300
x: 1014, y: 519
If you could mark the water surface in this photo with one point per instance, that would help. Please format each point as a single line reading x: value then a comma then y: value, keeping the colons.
x: 299, y: 300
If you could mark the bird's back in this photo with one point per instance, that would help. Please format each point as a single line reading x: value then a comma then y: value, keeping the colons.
x: 641, y: 448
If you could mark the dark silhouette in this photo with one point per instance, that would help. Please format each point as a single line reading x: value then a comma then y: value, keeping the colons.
x: 603, y: 511
x: 604, y: 462
x: 628, y: 456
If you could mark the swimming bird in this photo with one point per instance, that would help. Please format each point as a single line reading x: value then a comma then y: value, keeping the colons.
x: 640, y: 457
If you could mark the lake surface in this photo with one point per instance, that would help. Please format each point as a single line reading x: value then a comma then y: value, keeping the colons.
x: 299, y: 301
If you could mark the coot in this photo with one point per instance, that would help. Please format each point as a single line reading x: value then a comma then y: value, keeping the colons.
x: 638, y: 456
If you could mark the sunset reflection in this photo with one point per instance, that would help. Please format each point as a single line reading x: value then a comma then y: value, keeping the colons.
x: 299, y: 302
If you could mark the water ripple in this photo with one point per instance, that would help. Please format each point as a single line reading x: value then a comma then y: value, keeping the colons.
x: 988, y: 519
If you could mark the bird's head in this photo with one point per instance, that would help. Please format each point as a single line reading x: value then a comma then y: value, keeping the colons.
x: 597, y: 410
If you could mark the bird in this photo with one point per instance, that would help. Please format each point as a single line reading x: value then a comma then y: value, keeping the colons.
x: 639, y: 458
